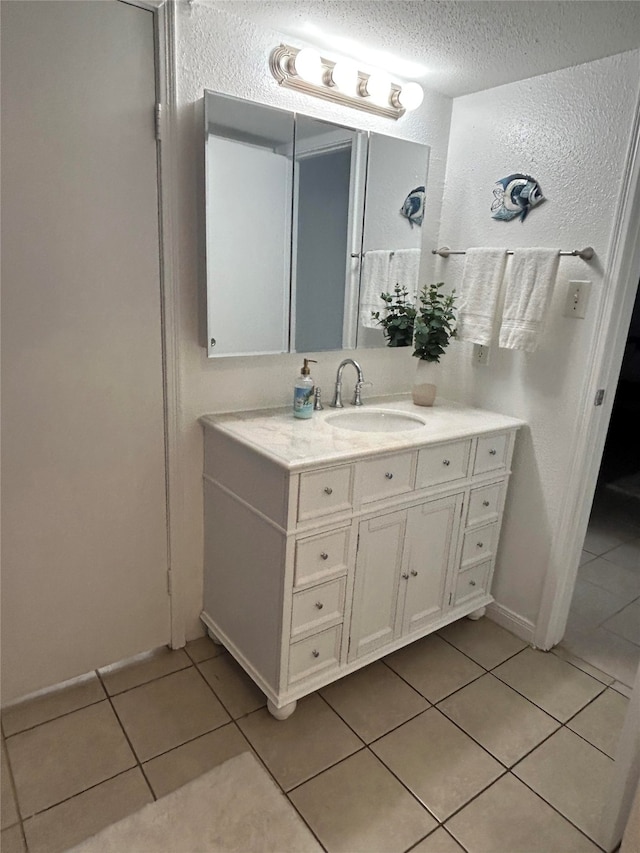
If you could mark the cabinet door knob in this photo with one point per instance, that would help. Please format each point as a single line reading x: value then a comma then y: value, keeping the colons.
x: 485, y: 503
x: 480, y: 544
x: 319, y: 605
x: 315, y: 653
x: 389, y: 475
x: 472, y: 583
x: 405, y: 577
x: 446, y: 462
x: 414, y: 573
x: 328, y: 490
x: 324, y: 556
x: 493, y: 451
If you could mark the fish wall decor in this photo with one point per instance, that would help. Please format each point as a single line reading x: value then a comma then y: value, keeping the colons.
x: 514, y: 196
x: 413, y: 207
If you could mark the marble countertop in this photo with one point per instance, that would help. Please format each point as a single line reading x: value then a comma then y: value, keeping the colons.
x: 296, y: 444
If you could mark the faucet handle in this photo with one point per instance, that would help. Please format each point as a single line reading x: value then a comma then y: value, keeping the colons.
x: 357, y: 401
x: 317, y: 399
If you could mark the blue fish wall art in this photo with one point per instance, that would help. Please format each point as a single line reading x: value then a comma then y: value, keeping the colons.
x: 413, y: 207
x: 514, y: 196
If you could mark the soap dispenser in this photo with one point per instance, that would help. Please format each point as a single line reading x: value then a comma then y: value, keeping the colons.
x: 303, y: 392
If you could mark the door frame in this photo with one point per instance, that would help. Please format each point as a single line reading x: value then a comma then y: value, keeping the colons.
x: 620, y: 283
x: 164, y: 25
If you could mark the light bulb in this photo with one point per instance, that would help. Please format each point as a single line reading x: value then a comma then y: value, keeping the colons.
x: 308, y: 65
x: 378, y: 87
x: 410, y: 96
x: 344, y: 76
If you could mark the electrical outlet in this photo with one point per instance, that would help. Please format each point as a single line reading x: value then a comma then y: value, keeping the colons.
x: 480, y: 354
x: 577, y: 299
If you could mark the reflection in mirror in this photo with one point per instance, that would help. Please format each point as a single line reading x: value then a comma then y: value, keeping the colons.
x: 395, y: 168
x: 249, y: 173
x: 330, y: 163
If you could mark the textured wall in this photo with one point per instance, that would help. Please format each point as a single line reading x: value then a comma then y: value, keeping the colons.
x: 220, y: 52
x: 569, y: 129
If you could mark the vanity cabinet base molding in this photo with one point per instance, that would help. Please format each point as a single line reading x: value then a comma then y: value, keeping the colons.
x: 336, y: 564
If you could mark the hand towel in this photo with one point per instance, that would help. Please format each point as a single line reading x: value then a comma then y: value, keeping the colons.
x: 375, y: 280
x: 530, y: 283
x: 405, y: 267
x: 481, y: 281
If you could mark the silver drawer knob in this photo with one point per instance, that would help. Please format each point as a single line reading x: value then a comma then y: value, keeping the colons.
x: 319, y: 605
x: 446, y: 462
x: 492, y: 452
x: 315, y: 653
x: 405, y: 577
x: 480, y: 544
x: 414, y: 573
x: 485, y: 503
x: 328, y: 490
x: 324, y: 556
x: 472, y: 583
x: 389, y: 475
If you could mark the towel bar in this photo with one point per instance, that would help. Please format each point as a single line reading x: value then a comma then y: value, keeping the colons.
x: 586, y: 254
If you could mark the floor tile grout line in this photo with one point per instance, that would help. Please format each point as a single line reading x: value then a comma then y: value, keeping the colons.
x: 148, y: 681
x: 431, y: 703
x: 557, y: 810
x: 488, y: 668
x: 56, y: 717
x: 561, y: 652
x: 12, y: 780
x: 424, y: 838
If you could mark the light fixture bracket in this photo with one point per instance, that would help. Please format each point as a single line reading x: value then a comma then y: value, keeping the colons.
x: 279, y: 63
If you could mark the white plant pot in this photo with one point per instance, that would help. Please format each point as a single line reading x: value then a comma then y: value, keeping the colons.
x: 423, y: 392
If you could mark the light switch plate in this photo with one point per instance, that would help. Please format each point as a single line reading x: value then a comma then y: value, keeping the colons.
x: 578, y: 293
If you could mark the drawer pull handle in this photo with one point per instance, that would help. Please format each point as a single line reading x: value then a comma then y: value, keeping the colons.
x: 472, y: 583
x: 446, y: 462
x: 493, y: 451
x: 389, y: 475
x: 315, y: 653
x: 324, y: 556
x: 414, y: 573
x: 485, y: 503
x: 328, y: 490
x: 405, y: 577
x: 480, y: 544
x: 319, y: 605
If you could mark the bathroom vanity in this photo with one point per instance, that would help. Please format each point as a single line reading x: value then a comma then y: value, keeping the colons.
x: 334, y: 541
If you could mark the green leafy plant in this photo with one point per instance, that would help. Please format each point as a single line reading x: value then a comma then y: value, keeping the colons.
x: 434, y: 322
x: 397, y: 318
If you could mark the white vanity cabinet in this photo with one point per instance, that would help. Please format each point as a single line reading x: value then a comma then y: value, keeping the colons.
x: 325, y: 550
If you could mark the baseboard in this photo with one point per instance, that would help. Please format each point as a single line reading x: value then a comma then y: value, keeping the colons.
x: 518, y: 625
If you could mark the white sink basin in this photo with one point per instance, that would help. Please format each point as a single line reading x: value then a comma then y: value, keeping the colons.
x: 375, y: 420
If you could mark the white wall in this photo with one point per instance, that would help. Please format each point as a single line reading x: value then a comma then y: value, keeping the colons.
x: 220, y: 52
x: 570, y: 130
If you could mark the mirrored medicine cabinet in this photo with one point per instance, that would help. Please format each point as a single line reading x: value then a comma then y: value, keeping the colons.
x: 293, y: 204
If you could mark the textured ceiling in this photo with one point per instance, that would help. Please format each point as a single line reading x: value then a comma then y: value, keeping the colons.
x: 463, y: 46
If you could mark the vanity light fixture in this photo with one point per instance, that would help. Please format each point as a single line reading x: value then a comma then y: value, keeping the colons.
x: 306, y: 71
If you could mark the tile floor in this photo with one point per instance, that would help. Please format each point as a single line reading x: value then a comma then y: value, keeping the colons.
x: 604, y: 620
x: 465, y: 740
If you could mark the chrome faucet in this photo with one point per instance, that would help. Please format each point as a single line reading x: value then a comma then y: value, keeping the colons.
x: 337, y: 403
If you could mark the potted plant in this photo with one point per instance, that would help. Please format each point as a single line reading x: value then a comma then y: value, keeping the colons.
x: 434, y: 329
x: 398, y: 319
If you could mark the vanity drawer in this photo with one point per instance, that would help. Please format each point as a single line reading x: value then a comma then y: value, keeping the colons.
x: 491, y: 453
x: 472, y: 582
x: 325, y: 492
x: 316, y: 653
x: 384, y: 477
x: 484, y: 504
x: 316, y: 607
x: 479, y: 543
x: 443, y: 463
x: 320, y: 556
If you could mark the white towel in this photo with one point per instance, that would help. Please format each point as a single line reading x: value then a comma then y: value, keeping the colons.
x: 375, y: 280
x: 405, y: 267
x: 481, y: 280
x: 530, y: 283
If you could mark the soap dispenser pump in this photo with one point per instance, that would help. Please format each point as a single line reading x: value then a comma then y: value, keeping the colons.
x: 303, y: 391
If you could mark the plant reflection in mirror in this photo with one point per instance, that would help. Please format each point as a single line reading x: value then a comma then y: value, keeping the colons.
x: 398, y: 317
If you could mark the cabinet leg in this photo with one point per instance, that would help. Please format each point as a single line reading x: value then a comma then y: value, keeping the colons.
x: 213, y: 637
x: 477, y: 614
x: 281, y: 713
